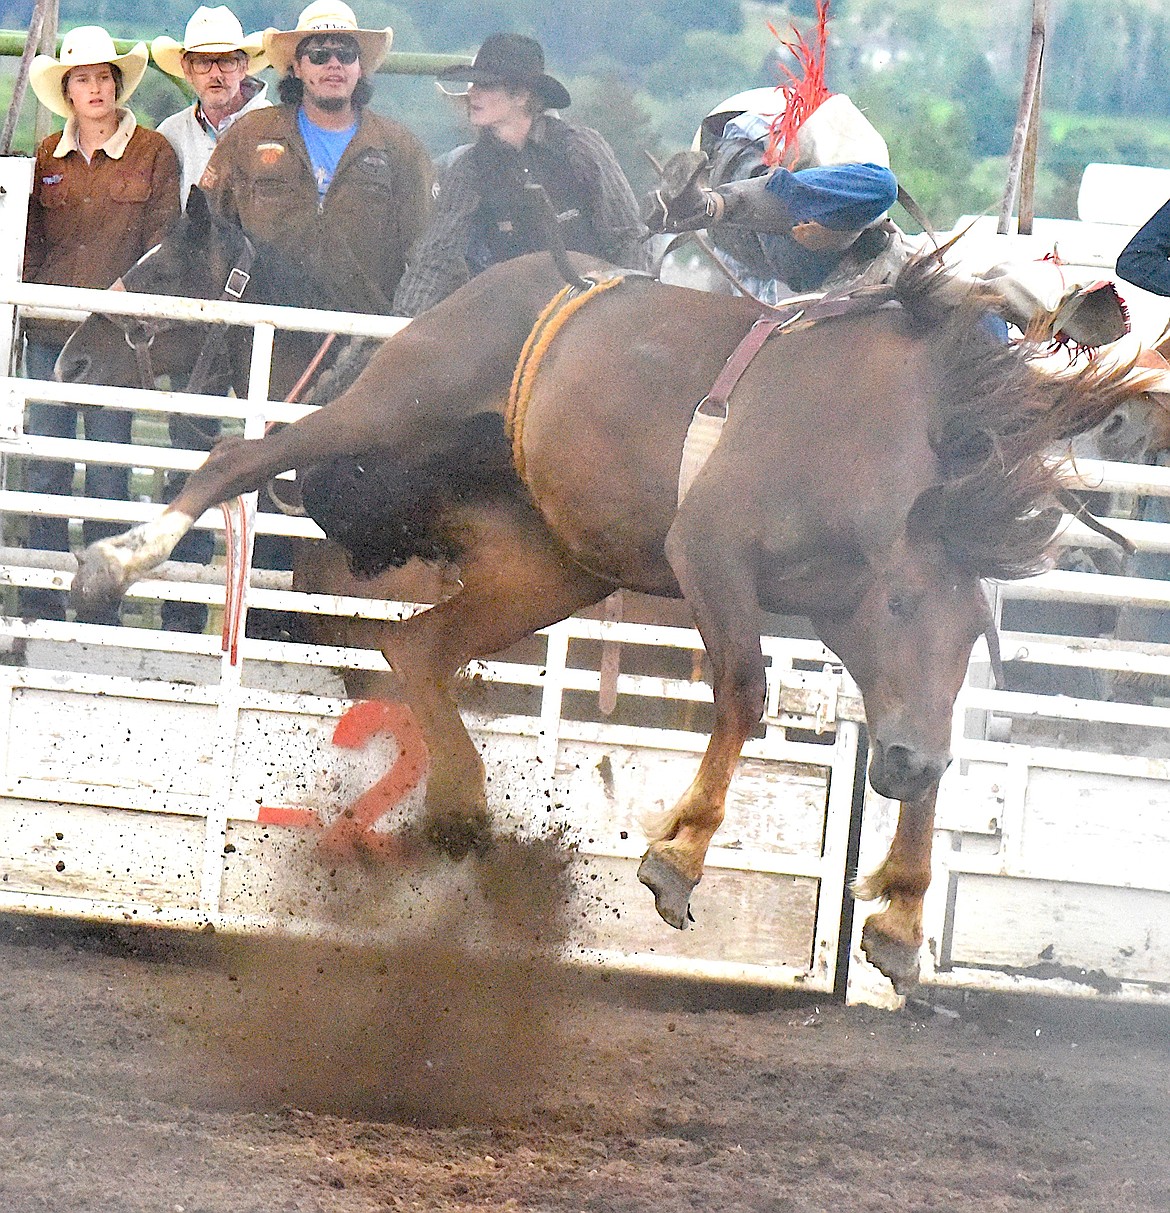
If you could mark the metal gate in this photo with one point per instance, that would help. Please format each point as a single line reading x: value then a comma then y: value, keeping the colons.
x: 147, y: 776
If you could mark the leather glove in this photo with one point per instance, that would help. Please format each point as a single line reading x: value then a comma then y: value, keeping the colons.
x: 681, y: 204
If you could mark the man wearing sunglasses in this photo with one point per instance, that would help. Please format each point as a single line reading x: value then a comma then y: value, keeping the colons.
x: 341, y: 191
x: 220, y: 64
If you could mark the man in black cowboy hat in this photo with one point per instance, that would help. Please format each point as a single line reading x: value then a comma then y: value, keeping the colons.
x: 482, y: 215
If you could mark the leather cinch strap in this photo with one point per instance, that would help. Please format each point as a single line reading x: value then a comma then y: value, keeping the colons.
x: 706, y: 426
x: 740, y: 360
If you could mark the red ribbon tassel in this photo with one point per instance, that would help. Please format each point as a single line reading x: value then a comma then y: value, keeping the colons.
x: 805, y: 88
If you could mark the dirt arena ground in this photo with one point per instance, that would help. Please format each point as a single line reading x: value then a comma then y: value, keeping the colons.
x: 153, y: 1073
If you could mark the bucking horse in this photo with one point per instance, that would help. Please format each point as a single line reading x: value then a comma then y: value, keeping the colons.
x: 876, y: 459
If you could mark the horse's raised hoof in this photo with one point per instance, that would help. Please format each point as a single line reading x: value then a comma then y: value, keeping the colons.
x: 458, y: 835
x: 894, y: 958
x: 671, y: 889
x: 99, y: 580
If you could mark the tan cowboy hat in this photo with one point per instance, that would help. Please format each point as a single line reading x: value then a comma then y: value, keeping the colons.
x: 211, y: 31
x: 83, y: 47
x: 324, y: 17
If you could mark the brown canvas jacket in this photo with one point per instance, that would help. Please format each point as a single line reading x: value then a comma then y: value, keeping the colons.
x: 354, y: 244
x: 90, y: 222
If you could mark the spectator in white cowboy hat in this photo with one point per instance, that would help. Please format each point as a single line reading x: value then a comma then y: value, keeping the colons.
x: 220, y: 63
x: 482, y: 215
x: 104, y: 191
x: 341, y: 191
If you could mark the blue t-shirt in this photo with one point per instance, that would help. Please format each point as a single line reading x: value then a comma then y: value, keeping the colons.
x: 325, y: 149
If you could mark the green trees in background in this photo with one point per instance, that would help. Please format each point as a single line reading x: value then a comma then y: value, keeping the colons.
x: 939, y: 78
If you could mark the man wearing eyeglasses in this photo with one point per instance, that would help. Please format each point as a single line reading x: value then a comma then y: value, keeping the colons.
x: 220, y: 65
x: 339, y: 190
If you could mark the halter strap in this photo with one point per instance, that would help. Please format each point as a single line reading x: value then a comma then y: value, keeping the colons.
x: 140, y: 333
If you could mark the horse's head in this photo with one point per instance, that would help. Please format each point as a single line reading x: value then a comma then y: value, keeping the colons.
x: 200, y: 258
x: 1137, y: 431
x: 906, y: 643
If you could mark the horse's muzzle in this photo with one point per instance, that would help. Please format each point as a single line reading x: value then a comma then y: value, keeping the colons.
x: 901, y: 772
x: 72, y: 367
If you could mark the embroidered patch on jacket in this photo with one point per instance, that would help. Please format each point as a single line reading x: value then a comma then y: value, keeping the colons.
x: 209, y: 178
x: 374, y: 160
x: 269, y: 153
x: 53, y: 179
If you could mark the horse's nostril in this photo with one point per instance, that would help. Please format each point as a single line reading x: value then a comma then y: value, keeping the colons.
x: 1114, y: 424
x: 72, y: 368
x: 902, y: 759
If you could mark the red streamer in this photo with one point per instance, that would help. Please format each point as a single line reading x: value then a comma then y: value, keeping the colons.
x: 805, y: 88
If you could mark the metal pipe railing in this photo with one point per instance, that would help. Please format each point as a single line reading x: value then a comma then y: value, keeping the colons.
x: 396, y: 63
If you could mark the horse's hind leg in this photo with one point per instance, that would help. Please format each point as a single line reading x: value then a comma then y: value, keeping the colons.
x: 444, y: 367
x: 716, y: 581
x: 234, y: 466
x: 515, y: 580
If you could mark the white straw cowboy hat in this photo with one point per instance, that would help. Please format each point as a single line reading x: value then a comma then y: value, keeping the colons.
x: 211, y: 31
x: 327, y: 17
x: 84, y: 46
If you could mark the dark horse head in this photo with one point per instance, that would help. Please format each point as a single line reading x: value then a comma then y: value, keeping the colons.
x: 201, y: 257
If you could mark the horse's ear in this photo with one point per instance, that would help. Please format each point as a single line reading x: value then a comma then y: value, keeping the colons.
x: 197, y: 210
x: 926, y: 518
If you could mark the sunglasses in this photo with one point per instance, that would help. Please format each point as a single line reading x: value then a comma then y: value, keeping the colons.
x: 318, y: 56
x: 460, y: 88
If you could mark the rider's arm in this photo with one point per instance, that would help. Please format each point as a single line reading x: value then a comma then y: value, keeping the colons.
x: 616, y: 221
x: 437, y: 264
x: 1145, y: 260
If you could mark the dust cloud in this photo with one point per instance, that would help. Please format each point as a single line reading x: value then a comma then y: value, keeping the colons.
x: 454, y: 1018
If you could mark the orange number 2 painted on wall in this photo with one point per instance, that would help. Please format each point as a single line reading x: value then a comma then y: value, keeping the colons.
x: 354, y: 825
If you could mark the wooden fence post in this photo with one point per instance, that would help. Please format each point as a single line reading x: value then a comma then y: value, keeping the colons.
x: 1027, y: 127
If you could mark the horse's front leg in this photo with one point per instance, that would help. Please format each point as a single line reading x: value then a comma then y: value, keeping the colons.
x: 716, y: 582
x: 892, y: 938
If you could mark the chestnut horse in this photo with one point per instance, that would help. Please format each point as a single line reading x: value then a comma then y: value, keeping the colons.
x: 873, y: 469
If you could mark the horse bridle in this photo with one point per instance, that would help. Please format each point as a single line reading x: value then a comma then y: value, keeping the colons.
x: 140, y: 332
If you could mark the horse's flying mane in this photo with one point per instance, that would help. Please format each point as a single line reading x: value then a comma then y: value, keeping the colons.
x: 999, y: 420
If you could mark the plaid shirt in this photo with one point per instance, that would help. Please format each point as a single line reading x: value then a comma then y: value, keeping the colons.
x: 437, y: 263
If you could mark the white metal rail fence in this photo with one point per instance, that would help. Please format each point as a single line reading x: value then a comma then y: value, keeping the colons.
x: 147, y: 777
